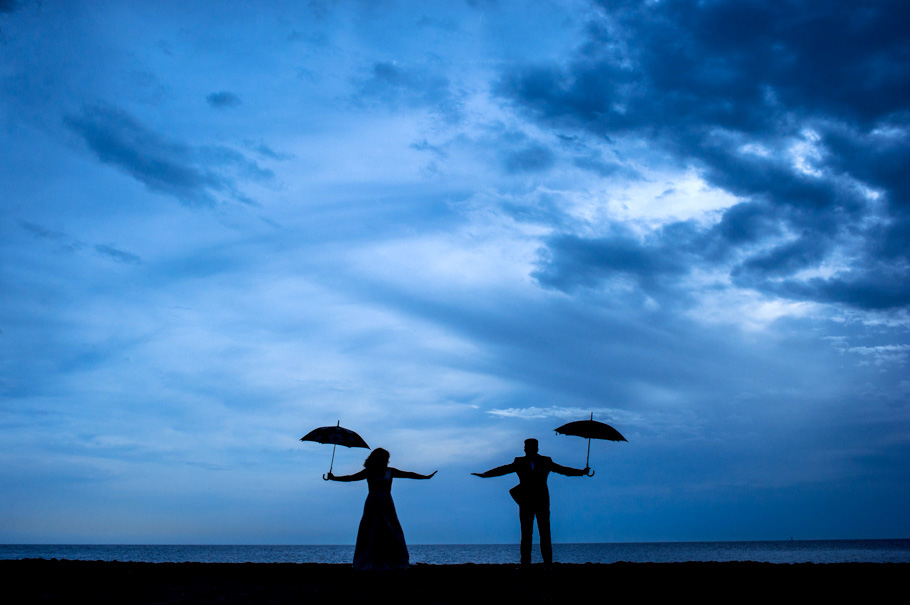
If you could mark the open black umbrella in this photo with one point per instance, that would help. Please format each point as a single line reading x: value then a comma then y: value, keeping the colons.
x: 336, y: 435
x: 590, y: 429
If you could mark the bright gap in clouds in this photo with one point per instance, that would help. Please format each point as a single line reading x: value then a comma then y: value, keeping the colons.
x: 660, y: 198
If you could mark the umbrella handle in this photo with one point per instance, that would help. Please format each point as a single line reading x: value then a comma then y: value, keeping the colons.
x: 590, y: 472
x: 324, y: 478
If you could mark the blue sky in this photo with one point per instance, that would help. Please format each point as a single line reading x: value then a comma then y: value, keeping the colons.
x: 452, y: 226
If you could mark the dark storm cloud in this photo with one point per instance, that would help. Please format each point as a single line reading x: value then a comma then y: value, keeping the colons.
x: 398, y: 86
x: 596, y: 163
x: 579, y: 261
x: 802, y: 109
x: 592, y: 157
x: 220, y: 100
x: 650, y: 264
x: 788, y: 258
x: 871, y: 287
x: 747, y: 222
x: 736, y: 64
x: 196, y: 176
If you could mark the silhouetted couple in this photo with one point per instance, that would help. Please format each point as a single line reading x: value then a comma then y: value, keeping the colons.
x: 380, y: 540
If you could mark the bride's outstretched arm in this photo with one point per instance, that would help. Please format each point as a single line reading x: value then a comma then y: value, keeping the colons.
x: 360, y: 476
x: 409, y: 475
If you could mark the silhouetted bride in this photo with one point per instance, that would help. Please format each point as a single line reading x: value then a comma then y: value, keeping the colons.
x: 380, y: 541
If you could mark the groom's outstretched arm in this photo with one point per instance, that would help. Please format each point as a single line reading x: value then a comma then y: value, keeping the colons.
x: 567, y: 470
x: 498, y: 471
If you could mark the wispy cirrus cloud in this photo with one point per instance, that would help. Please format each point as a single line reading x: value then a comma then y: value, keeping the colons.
x: 118, y: 255
x: 42, y: 232
x: 882, y: 354
x: 68, y: 243
x: 536, y: 413
x: 623, y: 420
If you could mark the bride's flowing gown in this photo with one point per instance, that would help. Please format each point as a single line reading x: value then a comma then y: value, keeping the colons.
x: 380, y: 541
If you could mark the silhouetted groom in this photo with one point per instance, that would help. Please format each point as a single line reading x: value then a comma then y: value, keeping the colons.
x: 532, y: 496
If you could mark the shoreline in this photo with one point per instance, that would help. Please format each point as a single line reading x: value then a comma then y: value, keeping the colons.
x: 63, y: 580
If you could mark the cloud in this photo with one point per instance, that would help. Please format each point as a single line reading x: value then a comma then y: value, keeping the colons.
x: 425, y: 145
x: 70, y: 244
x: 669, y: 422
x: 398, y: 86
x: 223, y: 99
x: 267, y: 152
x: 869, y: 288
x: 884, y: 354
x: 597, y: 164
x: 566, y: 413
x: 65, y: 241
x: 573, y: 261
x: 787, y: 258
x: 118, y: 255
x: 533, y: 158
x: 196, y: 176
x: 43, y: 232
x: 799, y: 111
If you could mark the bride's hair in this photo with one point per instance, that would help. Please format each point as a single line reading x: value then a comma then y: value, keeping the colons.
x: 378, y: 458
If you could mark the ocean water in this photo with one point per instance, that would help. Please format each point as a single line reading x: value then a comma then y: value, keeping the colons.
x: 798, y: 551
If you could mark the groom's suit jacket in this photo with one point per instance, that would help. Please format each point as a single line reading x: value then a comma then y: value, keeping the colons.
x: 532, y: 474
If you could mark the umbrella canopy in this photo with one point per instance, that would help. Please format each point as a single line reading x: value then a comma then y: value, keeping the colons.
x: 590, y: 429
x: 336, y: 435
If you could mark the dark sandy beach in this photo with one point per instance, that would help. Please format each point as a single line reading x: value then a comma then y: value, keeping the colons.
x: 53, y: 581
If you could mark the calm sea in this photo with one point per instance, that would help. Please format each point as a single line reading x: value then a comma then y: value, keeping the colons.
x: 799, y: 551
